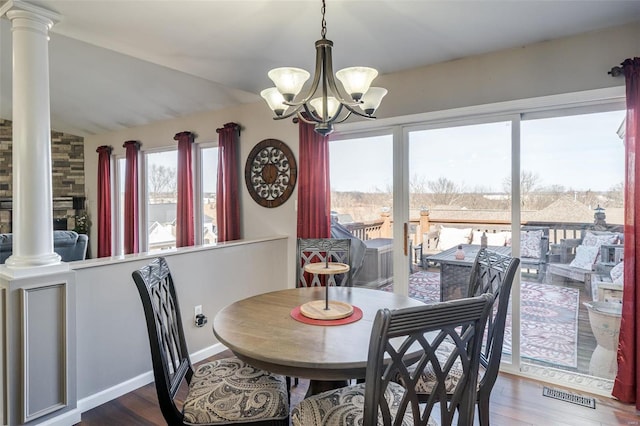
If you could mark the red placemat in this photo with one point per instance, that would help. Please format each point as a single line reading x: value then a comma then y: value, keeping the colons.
x: 355, y: 316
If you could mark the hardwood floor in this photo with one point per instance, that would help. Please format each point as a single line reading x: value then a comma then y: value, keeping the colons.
x: 515, y: 401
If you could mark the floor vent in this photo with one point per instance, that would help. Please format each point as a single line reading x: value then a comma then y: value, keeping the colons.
x: 585, y: 401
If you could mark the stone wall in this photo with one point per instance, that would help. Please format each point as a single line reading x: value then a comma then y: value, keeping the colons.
x: 67, y: 174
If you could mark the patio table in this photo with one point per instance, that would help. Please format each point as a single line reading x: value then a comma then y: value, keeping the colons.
x: 455, y: 273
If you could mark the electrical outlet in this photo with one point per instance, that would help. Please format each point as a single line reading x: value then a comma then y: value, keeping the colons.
x: 197, y: 310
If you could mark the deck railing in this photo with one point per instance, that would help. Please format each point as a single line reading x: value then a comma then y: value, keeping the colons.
x: 382, y: 228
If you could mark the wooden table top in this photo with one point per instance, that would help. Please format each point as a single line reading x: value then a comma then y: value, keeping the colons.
x: 261, y: 331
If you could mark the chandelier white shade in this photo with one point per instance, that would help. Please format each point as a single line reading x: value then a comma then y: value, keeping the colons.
x: 336, y: 101
x: 288, y: 81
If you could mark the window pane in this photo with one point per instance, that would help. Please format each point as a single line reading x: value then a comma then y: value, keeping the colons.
x: 209, y: 182
x: 572, y: 180
x: 120, y: 173
x: 459, y: 201
x: 361, y: 202
x: 161, y: 199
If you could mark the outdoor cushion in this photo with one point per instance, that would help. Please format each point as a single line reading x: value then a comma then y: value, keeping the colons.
x: 451, y: 237
x: 530, y: 243
x: 585, y: 257
x: 592, y: 239
x: 493, y: 238
x: 617, y: 273
x: 230, y: 390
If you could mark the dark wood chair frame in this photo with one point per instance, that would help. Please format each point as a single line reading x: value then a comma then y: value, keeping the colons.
x: 492, y: 273
x: 169, y: 354
x: 459, y: 321
x: 311, y: 250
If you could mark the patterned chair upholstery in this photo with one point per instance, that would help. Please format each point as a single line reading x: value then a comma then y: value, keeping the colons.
x: 403, y: 338
x: 226, y: 391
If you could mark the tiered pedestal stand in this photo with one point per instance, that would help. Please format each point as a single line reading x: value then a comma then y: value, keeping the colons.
x: 326, y: 309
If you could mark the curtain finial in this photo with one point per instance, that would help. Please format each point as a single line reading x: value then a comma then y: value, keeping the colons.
x: 136, y: 144
x: 105, y: 148
x: 185, y: 134
x: 230, y: 125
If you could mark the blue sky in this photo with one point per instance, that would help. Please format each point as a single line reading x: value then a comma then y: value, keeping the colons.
x: 581, y: 152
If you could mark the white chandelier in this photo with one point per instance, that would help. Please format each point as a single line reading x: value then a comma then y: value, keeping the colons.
x: 332, y: 106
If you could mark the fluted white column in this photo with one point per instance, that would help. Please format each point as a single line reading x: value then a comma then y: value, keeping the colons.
x: 32, y: 220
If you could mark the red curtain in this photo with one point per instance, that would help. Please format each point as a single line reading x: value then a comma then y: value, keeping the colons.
x: 104, y: 200
x: 314, y: 191
x: 184, y: 216
x: 227, y: 199
x: 625, y: 387
x: 131, y: 214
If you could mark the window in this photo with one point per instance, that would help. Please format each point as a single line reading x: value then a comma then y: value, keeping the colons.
x: 361, y: 176
x: 119, y: 206
x: 161, y: 199
x: 209, y: 179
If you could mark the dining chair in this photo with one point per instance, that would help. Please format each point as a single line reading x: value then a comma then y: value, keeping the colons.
x: 311, y: 250
x: 399, y: 339
x: 224, y: 391
x: 491, y: 273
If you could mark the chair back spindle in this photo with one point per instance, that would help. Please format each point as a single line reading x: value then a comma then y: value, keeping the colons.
x: 405, y: 342
x: 312, y: 250
x: 169, y: 354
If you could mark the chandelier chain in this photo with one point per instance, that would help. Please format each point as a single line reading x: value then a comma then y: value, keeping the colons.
x: 323, y: 33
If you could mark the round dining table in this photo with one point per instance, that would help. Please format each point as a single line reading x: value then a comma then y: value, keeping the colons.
x: 261, y: 330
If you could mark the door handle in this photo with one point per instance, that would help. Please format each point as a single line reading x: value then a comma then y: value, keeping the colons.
x: 406, y: 239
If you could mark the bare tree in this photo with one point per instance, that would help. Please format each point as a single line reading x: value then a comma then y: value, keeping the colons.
x: 444, y: 191
x: 528, y: 184
x: 418, y: 184
x: 162, y: 180
x: 418, y: 197
x: 615, y: 195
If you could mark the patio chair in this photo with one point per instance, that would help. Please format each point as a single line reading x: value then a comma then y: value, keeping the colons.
x: 225, y: 391
x: 400, y: 338
x: 491, y: 273
x: 534, y: 249
x: 312, y: 250
x: 578, y: 257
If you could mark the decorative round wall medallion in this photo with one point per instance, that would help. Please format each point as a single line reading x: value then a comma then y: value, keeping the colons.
x: 270, y: 173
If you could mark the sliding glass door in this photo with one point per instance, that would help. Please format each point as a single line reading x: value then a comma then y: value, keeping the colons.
x: 546, y: 187
x: 459, y: 199
x: 572, y: 178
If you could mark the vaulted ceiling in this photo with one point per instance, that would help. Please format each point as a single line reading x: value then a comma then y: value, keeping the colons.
x: 124, y: 63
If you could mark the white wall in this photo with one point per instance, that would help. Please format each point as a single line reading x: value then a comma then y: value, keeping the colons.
x: 111, y: 336
x: 567, y: 65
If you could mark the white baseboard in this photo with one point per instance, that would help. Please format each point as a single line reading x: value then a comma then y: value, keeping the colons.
x: 69, y: 418
x: 102, y: 397
x: 99, y: 398
x: 207, y: 352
